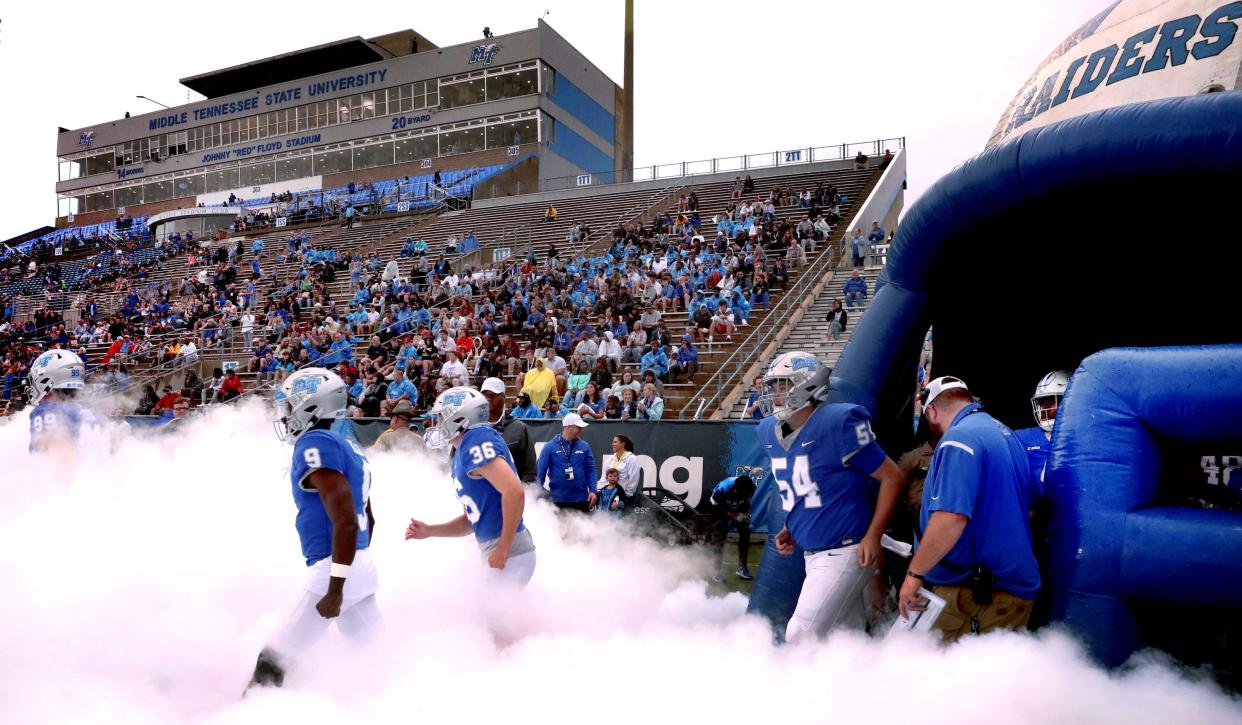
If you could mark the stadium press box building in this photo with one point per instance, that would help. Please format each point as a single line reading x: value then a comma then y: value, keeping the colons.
x: 355, y: 110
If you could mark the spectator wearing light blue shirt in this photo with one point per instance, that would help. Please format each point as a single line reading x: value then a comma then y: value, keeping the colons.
x: 855, y: 290
x: 860, y: 247
x: 876, y: 235
x: 554, y: 411
x: 655, y: 360
x: 650, y: 406
x: 339, y: 351
x: 525, y: 408
x: 399, y: 389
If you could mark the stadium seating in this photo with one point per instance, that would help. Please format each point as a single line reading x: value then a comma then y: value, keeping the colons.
x: 136, y: 229
x: 514, y: 230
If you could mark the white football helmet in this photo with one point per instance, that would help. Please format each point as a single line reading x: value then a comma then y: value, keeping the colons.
x: 307, y: 397
x: 56, y: 370
x: 433, y: 436
x: 1051, y: 387
x: 460, y: 409
x: 793, y: 381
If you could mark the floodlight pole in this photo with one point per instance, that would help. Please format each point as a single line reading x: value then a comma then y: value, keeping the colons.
x: 153, y: 101
x: 627, y: 135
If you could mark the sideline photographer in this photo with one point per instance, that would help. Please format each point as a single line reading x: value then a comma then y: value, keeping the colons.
x: 975, y: 544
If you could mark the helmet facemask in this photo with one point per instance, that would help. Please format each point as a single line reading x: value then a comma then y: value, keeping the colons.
x: 775, y: 399
x: 1045, y: 408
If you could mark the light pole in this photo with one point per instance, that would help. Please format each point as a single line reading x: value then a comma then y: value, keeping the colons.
x: 152, y: 100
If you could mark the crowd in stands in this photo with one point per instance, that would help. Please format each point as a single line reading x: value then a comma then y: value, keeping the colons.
x: 566, y: 325
x: 584, y: 318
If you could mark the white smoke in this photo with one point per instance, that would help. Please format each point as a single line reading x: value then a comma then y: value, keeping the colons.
x: 140, y: 582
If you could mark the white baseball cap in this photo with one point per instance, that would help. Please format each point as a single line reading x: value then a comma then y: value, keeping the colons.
x: 493, y: 385
x: 573, y: 419
x: 941, y: 384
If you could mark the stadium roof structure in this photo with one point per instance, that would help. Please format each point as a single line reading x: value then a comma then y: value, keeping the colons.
x: 316, y: 60
x: 32, y: 234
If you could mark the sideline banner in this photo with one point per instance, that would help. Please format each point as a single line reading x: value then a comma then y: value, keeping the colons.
x: 686, y: 457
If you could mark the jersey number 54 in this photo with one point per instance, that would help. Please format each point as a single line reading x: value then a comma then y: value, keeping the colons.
x: 799, y: 484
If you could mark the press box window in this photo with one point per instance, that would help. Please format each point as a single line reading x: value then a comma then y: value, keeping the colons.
x: 462, y: 141
x: 511, y: 85
x: 462, y: 93
x: 503, y: 135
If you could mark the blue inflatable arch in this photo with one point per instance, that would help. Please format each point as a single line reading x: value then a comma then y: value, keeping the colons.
x: 1112, y: 229
x: 1110, y: 543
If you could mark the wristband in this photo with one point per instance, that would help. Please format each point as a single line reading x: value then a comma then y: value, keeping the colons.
x: 339, y: 570
x: 909, y: 573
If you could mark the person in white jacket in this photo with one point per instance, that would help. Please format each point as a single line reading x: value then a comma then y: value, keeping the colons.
x: 610, y: 349
x: 626, y: 463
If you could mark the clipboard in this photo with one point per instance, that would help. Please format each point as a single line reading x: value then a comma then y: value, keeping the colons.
x: 920, y: 621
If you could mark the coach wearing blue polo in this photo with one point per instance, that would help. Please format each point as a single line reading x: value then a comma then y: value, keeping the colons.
x: 974, y: 548
x: 567, y: 463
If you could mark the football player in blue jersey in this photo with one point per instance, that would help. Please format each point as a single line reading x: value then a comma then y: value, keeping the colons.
x: 488, y: 488
x: 729, y: 505
x: 825, y: 461
x: 331, y: 488
x: 1036, y: 441
x: 55, y: 377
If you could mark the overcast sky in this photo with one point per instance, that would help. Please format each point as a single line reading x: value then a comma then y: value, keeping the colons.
x: 712, y: 80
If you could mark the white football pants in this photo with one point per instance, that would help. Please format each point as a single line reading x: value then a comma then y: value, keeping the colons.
x: 359, y: 613
x: 517, y: 572
x: 832, y: 595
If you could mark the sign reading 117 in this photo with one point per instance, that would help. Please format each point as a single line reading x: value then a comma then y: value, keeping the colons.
x: 400, y: 122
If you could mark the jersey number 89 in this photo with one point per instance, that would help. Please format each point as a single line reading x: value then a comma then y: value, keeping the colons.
x: 800, y: 484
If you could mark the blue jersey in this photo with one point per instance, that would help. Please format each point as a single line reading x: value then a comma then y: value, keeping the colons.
x: 326, y: 450
x: 732, y: 496
x: 1037, y: 446
x: 979, y: 470
x: 54, y: 421
x: 479, y: 497
x: 823, y: 473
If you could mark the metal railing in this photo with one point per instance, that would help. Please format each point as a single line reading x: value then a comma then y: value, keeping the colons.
x: 742, y: 163
x: 730, y: 373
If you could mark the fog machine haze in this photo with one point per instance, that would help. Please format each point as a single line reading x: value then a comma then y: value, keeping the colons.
x: 143, y: 577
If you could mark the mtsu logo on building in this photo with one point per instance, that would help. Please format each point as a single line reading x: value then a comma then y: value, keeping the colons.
x: 86, y: 138
x: 484, y: 53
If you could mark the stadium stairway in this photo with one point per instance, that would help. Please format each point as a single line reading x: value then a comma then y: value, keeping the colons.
x: 742, y: 353
x: 713, y: 197
x: 811, y: 333
x: 853, y: 184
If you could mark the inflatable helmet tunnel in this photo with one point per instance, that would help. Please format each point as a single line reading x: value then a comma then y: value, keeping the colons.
x: 1117, y: 228
x: 1113, y: 542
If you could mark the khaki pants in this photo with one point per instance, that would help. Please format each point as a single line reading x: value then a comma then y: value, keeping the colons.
x: 961, y: 612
